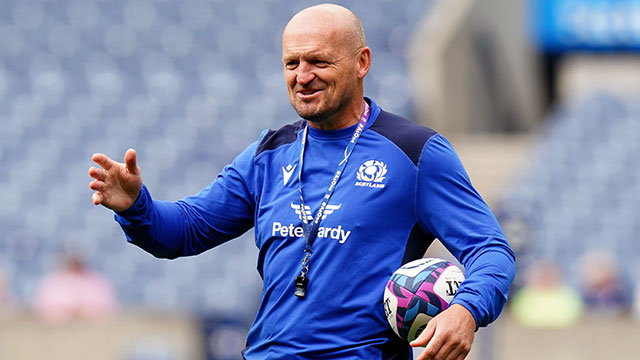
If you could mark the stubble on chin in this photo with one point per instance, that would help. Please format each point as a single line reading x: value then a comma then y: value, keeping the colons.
x: 316, y: 115
x: 321, y: 113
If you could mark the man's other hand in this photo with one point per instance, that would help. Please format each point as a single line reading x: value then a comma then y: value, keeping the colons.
x: 116, y: 185
x: 449, y: 335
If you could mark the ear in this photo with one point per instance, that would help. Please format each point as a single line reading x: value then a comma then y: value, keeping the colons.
x: 364, y: 62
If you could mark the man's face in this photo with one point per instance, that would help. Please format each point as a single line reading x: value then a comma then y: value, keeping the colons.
x: 321, y: 75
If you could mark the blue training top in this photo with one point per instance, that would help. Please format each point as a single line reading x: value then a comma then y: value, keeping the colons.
x: 403, y: 186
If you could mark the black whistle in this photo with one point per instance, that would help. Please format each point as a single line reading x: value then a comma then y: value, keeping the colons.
x: 301, y: 286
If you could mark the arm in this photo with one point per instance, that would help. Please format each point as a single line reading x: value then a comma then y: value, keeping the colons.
x: 456, y: 214
x: 220, y: 212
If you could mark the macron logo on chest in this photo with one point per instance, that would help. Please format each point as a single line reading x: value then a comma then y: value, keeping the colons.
x: 287, y: 171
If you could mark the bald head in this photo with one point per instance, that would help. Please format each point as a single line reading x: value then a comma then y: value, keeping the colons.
x: 336, y: 22
x: 325, y: 61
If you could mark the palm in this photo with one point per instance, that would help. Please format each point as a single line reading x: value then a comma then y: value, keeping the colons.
x: 116, y: 185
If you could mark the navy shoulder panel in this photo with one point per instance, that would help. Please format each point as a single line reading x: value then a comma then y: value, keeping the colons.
x: 285, y: 135
x: 408, y: 136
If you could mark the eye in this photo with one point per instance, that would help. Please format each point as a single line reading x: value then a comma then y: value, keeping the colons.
x: 291, y: 64
x: 320, y: 63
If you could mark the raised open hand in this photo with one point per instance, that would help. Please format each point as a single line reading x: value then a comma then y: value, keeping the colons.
x: 116, y: 185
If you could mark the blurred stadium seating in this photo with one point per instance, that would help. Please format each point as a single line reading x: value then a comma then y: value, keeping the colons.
x: 188, y: 84
x: 580, y: 191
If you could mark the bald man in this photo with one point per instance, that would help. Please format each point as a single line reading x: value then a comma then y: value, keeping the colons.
x: 339, y: 200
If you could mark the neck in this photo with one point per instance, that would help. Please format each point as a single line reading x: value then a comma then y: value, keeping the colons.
x: 348, y: 117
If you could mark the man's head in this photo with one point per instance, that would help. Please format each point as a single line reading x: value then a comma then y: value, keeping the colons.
x: 325, y: 61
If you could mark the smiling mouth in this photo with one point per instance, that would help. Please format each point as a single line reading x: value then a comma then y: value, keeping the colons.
x: 308, y: 94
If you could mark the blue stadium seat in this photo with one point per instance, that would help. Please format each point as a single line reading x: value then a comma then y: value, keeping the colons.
x: 580, y: 191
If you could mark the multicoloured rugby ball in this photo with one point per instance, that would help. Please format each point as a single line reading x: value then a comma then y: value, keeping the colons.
x: 418, y: 291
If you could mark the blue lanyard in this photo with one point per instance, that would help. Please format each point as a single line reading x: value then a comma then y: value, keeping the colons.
x: 311, y: 230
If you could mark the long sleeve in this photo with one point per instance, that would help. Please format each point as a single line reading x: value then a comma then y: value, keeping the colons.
x: 455, y: 213
x: 220, y: 212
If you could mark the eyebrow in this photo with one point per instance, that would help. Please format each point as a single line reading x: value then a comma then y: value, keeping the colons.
x: 312, y: 54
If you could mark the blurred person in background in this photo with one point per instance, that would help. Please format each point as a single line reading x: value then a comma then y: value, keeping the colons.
x: 404, y: 186
x: 74, y: 292
x: 603, y: 289
x: 546, y: 300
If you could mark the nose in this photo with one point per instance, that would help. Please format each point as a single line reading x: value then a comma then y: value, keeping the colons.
x: 305, y: 74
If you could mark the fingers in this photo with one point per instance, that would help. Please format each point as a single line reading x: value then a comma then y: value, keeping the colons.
x: 442, y: 348
x: 103, y: 160
x: 98, y: 185
x: 131, y: 162
x: 445, y: 351
x: 448, y: 336
x: 454, y: 354
x: 425, y: 336
x: 434, y: 350
x: 458, y: 355
x: 98, y: 174
x: 439, y: 350
x: 97, y: 198
x: 445, y: 346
